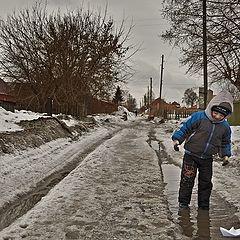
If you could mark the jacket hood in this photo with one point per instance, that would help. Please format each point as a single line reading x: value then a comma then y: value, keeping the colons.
x: 221, y: 98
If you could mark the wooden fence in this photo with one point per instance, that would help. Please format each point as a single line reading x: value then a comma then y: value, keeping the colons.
x: 80, y: 109
x: 177, y: 113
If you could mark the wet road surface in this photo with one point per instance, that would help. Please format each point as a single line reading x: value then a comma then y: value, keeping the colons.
x: 131, y: 197
x: 116, y: 192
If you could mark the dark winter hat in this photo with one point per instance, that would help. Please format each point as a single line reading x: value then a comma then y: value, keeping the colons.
x: 223, y: 108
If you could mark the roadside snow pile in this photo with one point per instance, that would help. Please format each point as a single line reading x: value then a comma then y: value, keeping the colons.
x: 67, y: 119
x: 9, y: 120
x: 122, y: 110
x: 116, y: 117
x: 21, y: 130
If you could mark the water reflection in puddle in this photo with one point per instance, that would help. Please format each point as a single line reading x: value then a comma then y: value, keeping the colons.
x: 196, y: 224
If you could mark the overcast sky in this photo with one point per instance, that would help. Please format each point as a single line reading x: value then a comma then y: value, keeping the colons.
x: 148, y: 24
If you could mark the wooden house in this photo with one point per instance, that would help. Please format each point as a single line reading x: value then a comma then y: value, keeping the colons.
x: 7, y: 101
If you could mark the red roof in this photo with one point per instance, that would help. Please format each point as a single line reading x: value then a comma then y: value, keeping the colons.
x: 7, y: 98
x: 4, y: 92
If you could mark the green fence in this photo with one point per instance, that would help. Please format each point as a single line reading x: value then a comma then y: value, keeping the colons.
x: 234, y: 120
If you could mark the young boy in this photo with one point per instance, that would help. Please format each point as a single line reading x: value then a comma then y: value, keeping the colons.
x: 205, y: 133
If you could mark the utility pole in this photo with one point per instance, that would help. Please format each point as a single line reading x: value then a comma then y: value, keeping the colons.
x: 205, y: 52
x: 161, y: 79
x: 151, y: 90
x: 148, y: 97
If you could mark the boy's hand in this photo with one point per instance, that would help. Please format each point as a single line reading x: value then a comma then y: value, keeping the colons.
x: 225, y: 161
x: 175, y: 145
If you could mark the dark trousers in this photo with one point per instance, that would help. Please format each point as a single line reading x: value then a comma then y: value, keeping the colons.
x: 188, y: 174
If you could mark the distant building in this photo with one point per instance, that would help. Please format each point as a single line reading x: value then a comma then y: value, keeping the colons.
x: 169, y: 110
x: 159, y: 105
x: 176, y: 104
x: 7, y: 101
x: 201, y: 97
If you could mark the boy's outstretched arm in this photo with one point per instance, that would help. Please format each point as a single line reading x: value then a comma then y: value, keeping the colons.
x: 225, y: 151
x: 186, y: 129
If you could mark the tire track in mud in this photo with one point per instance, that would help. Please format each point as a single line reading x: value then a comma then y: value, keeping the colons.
x: 18, y: 207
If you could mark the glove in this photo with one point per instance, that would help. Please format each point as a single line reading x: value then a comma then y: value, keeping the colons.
x: 225, y: 161
x: 175, y: 145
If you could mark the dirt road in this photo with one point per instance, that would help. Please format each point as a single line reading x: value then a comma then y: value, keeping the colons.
x: 124, y: 189
x: 117, y: 192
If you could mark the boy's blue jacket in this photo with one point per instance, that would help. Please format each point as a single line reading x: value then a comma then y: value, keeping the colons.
x: 203, y: 137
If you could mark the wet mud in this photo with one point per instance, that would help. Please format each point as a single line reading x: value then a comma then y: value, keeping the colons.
x: 194, y: 223
x: 15, y: 209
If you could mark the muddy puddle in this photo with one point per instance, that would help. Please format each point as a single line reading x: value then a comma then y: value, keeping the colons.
x: 27, y: 201
x: 195, y: 224
x: 15, y: 209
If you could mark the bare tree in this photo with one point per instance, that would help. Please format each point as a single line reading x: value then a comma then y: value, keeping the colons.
x: 190, y: 97
x: 223, y: 27
x: 68, y: 57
